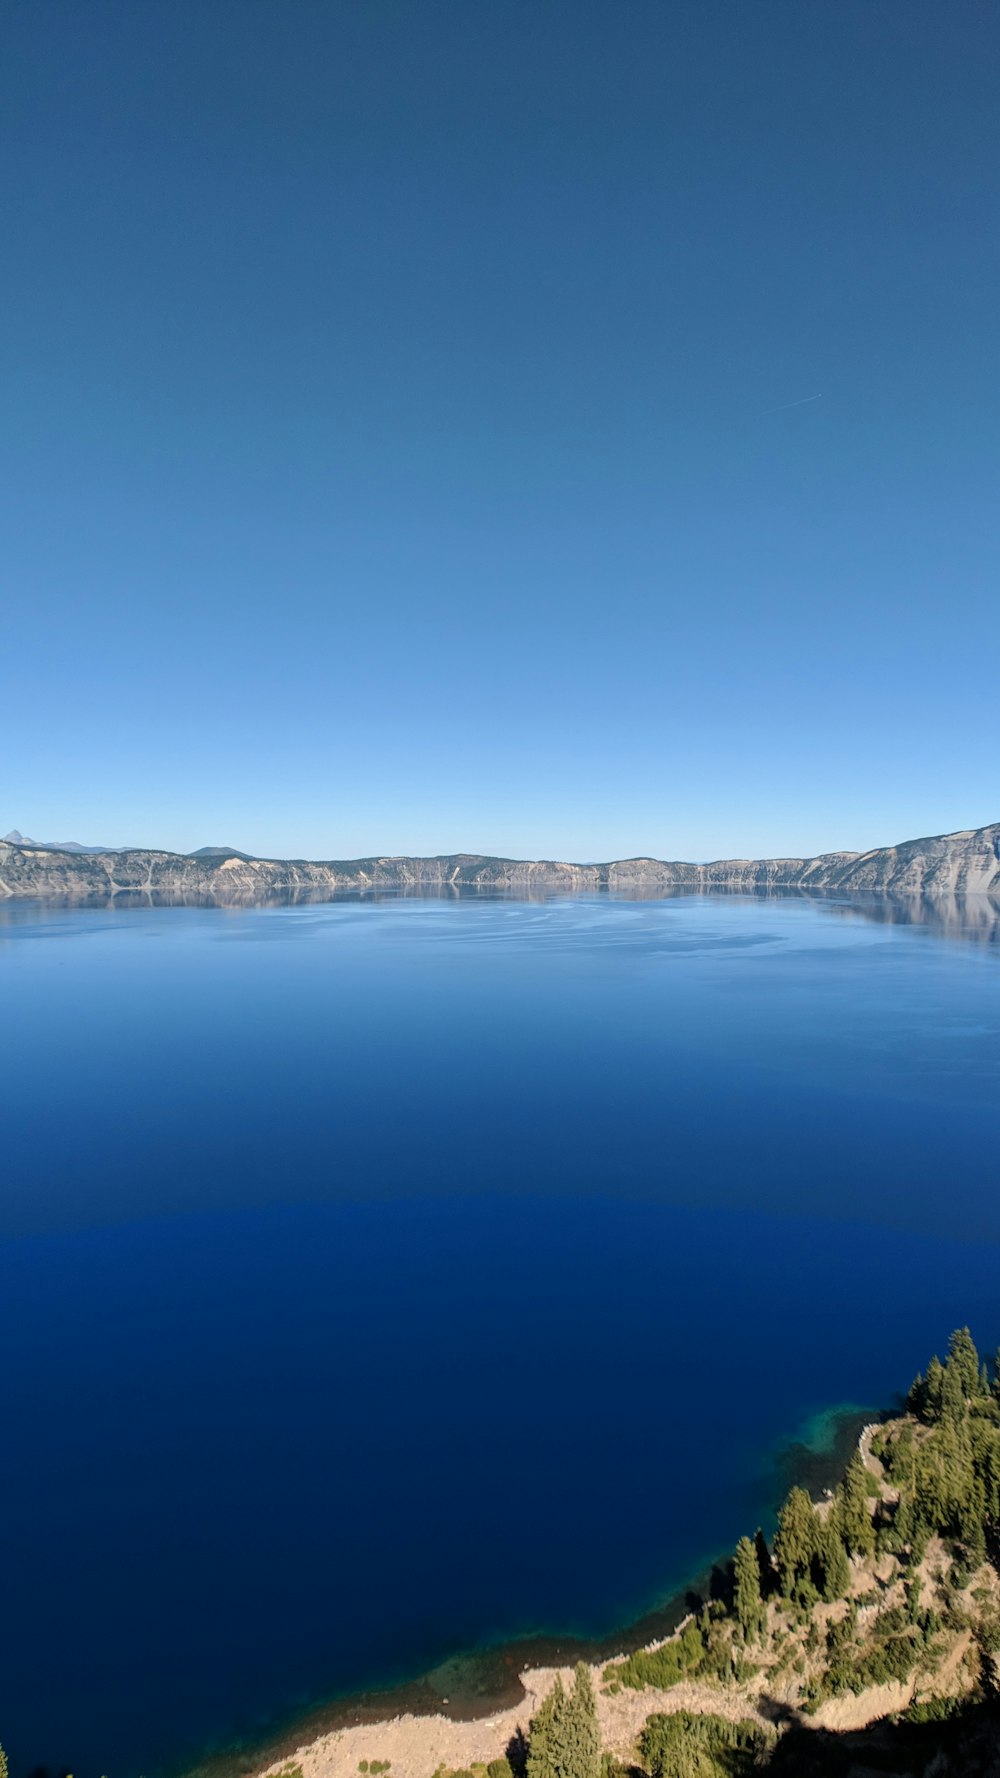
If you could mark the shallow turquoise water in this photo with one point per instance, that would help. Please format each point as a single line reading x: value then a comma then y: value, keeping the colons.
x: 382, y: 1280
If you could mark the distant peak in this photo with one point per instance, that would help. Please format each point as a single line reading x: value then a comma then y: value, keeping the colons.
x: 219, y: 852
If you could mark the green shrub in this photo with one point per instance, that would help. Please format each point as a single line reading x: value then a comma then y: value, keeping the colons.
x: 660, y: 1667
x: 684, y: 1744
x: 934, y: 1710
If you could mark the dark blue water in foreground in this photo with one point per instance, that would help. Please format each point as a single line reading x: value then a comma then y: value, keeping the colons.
x: 378, y: 1281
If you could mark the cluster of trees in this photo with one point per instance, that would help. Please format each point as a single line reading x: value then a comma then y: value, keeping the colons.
x: 810, y: 1557
x: 895, y: 1644
x: 948, y: 1473
x: 948, y: 1388
x: 689, y: 1745
x: 565, y: 1740
x: 811, y: 1549
x: 809, y: 1562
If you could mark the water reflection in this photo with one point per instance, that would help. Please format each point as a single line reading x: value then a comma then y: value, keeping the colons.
x: 974, y: 919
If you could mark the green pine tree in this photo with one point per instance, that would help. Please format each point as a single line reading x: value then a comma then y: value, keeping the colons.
x: 855, y: 1510
x: 971, y: 1517
x: 933, y: 1386
x: 953, y: 1394
x: 989, y: 1469
x: 545, y: 1735
x: 764, y: 1564
x: 835, y: 1569
x: 916, y: 1396
x: 746, y: 1589
x: 583, y: 1735
x: 565, y: 1739
x: 795, y: 1546
x: 963, y: 1355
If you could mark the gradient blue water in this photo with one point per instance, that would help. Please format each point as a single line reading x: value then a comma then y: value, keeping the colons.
x: 382, y: 1280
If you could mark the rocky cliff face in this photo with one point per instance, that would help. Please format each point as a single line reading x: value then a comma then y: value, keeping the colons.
x: 951, y: 864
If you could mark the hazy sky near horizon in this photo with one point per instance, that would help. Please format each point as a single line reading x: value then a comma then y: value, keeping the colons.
x: 409, y: 443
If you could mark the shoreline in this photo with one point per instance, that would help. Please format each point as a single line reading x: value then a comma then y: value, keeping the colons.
x: 478, y: 1689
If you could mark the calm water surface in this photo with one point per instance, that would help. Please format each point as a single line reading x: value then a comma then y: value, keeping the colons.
x: 383, y: 1280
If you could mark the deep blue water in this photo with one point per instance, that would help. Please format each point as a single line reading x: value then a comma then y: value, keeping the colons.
x: 382, y: 1280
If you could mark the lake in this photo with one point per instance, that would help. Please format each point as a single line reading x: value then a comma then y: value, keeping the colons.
x: 384, y: 1280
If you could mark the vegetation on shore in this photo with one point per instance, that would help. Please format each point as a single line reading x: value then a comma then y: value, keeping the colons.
x: 889, y: 1581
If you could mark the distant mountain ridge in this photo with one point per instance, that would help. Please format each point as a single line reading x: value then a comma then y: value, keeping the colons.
x: 963, y: 863
x: 20, y: 839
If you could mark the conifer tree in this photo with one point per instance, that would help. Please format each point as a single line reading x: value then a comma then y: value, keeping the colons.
x: 916, y: 1396
x: 764, y: 1564
x: 564, y: 1738
x: 746, y: 1589
x: 971, y: 1515
x: 933, y: 1386
x: 953, y: 1394
x: 855, y: 1513
x: 582, y: 1758
x: 996, y: 1373
x: 984, y: 1379
x: 835, y: 1570
x: 795, y: 1545
x: 963, y: 1356
x: 991, y: 1478
x: 545, y: 1735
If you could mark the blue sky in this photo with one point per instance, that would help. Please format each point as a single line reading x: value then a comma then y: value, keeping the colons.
x: 400, y: 448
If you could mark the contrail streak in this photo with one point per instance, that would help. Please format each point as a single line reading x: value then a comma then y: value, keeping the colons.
x: 783, y: 409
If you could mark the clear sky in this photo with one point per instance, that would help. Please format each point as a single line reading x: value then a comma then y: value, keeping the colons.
x: 407, y: 441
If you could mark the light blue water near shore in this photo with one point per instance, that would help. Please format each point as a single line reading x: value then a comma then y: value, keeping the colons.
x: 382, y: 1280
